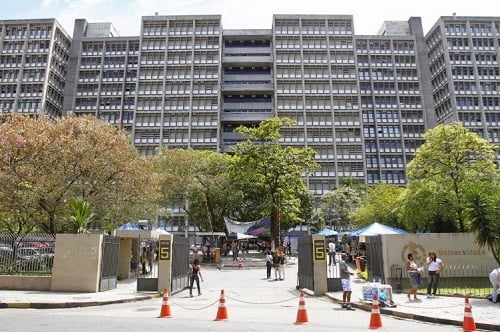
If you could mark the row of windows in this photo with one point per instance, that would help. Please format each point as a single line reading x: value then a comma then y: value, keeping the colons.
x: 316, y: 27
x: 475, y: 28
x: 396, y: 177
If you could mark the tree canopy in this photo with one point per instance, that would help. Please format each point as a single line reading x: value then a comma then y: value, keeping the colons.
x: 196, y: 181
x: 379, y: 204
x: 338, y: 205
x: 451, y: 158
x: 270, y: 176
x: 45, y: 164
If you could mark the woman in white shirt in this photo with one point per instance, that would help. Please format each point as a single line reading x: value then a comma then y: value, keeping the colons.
x: 434, y: 268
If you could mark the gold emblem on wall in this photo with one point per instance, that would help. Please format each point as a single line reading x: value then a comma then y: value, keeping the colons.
x: 417, y: 250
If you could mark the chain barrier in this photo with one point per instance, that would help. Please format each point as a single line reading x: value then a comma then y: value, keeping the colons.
x: 430, y: 308
x: 274, y: 302
x: 197, y: 308
x: 233, y: 299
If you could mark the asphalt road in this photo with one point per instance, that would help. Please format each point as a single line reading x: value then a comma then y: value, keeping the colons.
x: 253, y: 303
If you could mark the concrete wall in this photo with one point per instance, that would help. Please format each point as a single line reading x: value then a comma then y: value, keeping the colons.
x: 77, y: 262
x: 17, y: 282
x: 454, y: 249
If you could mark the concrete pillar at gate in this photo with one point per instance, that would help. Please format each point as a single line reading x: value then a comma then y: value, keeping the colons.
x: 319, y: 264
x: 165, y: 261
x: 77, y: 263
x: 124, y: 260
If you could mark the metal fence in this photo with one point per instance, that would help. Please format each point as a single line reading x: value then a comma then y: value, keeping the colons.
x: 26, y: 253
x: 465, y: 280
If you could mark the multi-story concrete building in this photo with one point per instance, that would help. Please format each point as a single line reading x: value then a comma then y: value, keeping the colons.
x: 463, y: 56
x: 33, y: 63
x: 362, y: 103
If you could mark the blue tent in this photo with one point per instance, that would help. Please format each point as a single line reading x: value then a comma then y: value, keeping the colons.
x: 377, y: 229
x: 327, y: 232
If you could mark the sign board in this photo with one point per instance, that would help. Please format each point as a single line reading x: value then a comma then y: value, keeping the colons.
x: 319, y: 250
x: 164, y: 250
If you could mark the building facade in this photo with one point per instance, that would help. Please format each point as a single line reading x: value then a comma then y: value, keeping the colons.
x: 362, y: 102
x: 463, y: 57
x: 33, y: 62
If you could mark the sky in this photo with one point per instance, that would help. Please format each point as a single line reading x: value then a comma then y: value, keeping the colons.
x: 126, y: 15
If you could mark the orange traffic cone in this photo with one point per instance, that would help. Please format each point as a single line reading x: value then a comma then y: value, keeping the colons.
x: 165, y: 306
x: 469, y: 324
x: 375, y: 320
x: 302, y: 312
x: 240, y: 264
x: 222, y: 311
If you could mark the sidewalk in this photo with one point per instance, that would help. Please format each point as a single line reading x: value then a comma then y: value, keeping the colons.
x: 446, y: 310
x: 126, y: 291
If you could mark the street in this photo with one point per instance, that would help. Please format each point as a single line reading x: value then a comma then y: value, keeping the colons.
x: 253, y: 303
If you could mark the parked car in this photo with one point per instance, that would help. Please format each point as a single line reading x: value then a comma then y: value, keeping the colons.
x: 33, y: 259
x: 4, y: 245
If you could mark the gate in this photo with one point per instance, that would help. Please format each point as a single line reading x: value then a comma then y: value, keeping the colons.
x: 305, y: 274
x: 180, y: 263
x: 147, y: 280
x: 374, y: 259
x: 109, y: 263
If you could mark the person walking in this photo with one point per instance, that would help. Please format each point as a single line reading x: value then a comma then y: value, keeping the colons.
x: 269, y: 263
x: 236, y: 250
x: 413, y: 274
x: 331, y: 253
x: 195, y: 276
x: 282, y: 263
x: 144, y: 260
x: 345, y: 277
x: 434, y: 267
x: 276, y: 265
x: 495, y: 282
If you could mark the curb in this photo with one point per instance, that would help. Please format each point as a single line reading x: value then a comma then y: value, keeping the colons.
x: 399, y: 314
x: 66, y: 305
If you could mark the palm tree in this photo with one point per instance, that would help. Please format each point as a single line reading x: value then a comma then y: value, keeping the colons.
x: 483, y: 207
x: 81, y: 215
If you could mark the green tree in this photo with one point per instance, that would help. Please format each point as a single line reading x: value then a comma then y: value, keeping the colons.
x: 338, y: 205
x: 422, y: 209
x: 379, y: 204
x: 46, y: 163
x: 483, y: 208
x: 197, y: 182
x: 451, y: 158
x: 81, y: 215
x: 270, y: 175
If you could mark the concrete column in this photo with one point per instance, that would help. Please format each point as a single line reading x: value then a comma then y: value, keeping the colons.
x: 319, y: 264
x: 124, y: 259
x: 165, y: 261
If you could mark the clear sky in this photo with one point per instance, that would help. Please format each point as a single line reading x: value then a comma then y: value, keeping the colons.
x: 126, y: 14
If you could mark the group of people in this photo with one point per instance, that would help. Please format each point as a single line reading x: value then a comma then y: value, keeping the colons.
x: 434, y: 268
x: 276, y: 260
